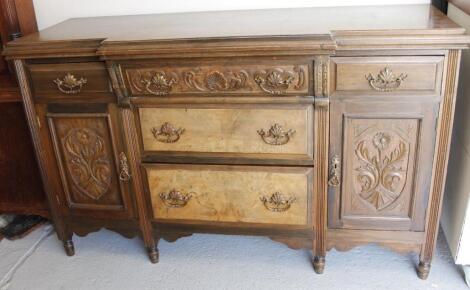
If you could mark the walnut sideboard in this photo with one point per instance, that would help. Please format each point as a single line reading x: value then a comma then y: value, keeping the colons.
x: 319, y: 128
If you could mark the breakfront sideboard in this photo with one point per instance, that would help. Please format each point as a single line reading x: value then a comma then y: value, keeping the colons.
x: 319, y: 128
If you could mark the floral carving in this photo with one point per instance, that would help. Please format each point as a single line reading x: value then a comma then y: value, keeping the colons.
x: 381, y: 175
x: 88, y: 163
x: 70, y: 84
x: 277, y: 202
x: 216, y: 81
x: 385, y: 81
x: 167, y: 133
x: 276, y: 135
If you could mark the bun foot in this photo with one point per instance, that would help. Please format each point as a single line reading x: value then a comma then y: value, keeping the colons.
x: 423, y: 270
x: 153, y: 255
x: 319, y: 264
x: 69, y: 248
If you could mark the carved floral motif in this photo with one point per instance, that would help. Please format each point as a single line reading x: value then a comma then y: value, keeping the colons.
x: 381, y: 174
x: 212, y: 79
x: 87, y: 161
x: 216, y: 81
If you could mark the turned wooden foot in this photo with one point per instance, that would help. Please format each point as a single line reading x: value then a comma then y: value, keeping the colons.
x: 153, y: 254
x: 69, y: 248
x: 423, y: 270
x: 319, y: 264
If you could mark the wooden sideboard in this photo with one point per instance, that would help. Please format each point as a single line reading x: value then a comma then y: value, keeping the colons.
x: 319, y: 128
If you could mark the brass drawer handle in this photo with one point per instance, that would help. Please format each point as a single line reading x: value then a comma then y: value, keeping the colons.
x: 167, y: 133
x: 70, y: 84
x: 124, y: 174
x: 275, y: 82
x: 277, y: 202
x: 385, y: 81
x: 175, y: 198
x: 159, y: 84
x: 276, y: 135
x: 335, y: 171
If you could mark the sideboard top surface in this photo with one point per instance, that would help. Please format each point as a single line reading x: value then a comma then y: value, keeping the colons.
x: 325, y: 24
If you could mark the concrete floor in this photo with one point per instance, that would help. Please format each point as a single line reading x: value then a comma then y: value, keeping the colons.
x: 105, y: 260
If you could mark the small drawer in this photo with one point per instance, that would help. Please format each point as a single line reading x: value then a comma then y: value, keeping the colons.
x: 244, y: 194
x: 278, y: 79
x: 414, y: 75
x: 71, y: 82
x: 264, y: 132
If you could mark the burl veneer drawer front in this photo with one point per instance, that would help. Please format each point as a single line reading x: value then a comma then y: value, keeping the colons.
x: 267, y: 195
x: 267, y: 131
x: 71, y: 82
x: 414, y: 75
x: 187, y: 78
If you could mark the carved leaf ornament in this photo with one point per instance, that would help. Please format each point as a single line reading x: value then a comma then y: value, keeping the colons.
x: 88, y: 164
x: 381, y: 175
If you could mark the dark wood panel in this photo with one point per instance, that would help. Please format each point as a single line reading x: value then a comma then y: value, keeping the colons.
x: 20, y: 187
x: 90, y: 159
x: 376, y: 149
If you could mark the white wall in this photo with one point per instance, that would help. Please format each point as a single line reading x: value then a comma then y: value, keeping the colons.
x: 455, y: 218
x: 50, y: 12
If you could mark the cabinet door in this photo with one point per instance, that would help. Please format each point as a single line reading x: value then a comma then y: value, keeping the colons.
x: 91, y: 160
x: 381, y: 156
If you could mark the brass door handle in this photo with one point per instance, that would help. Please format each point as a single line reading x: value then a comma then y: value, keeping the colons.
x: 277, y: 202
x: 124, y: 174
x: 385, y: 81
x: 276, y: 135
x: 175, y: 198
x: 167, y: 133
x: 70, y: 84
x: 335, y: 171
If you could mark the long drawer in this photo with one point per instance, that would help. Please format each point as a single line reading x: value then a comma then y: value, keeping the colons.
x: 246, y: 194
x: 261, y: 77
x: 263, y: 132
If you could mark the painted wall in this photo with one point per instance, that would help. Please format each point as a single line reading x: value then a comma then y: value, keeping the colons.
x: 455, y: 218
x: 50, y: 12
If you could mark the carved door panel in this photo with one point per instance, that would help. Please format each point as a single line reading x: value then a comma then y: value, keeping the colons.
x: 381, y: 156
x: 91, y: 161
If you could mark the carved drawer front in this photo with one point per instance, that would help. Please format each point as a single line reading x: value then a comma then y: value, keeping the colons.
x: 267, y: 195
x: 71, y: 82
x: 93, y: 166
x: 281, y: 131
x: 419, y: 75
x: 193, y: 79
x: 381, y: 156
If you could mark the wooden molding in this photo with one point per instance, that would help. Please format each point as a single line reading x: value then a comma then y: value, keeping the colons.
x: 441, y: 155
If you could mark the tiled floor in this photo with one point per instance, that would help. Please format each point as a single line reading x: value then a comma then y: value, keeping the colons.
x: 105, y: 260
